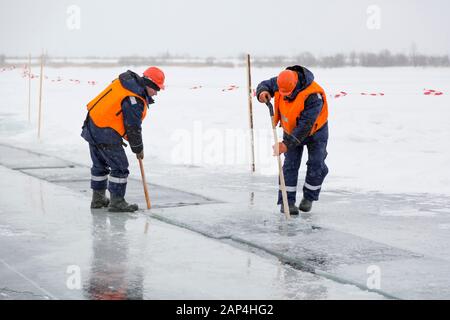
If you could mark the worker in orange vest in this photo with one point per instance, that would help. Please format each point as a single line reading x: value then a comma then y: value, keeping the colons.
x: 116, y: 114
x: 301, y: 108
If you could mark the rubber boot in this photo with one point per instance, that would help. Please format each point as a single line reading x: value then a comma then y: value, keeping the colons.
x: 293, y: 210
x: 118, y: 204
x: 305, y: 205
x: 99, y: 199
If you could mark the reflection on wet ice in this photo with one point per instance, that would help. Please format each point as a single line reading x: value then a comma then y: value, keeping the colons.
x: 113, y: 276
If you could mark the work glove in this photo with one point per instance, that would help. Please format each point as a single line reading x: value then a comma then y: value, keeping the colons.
x: 140, y: 155
x: 282, y: 148
x: 264, y: 97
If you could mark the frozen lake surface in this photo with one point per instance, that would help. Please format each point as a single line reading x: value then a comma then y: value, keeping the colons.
x: 214, y: 231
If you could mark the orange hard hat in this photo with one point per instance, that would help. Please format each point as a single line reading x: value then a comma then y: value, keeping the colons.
x: 155, y: 75
x: 287, y: 81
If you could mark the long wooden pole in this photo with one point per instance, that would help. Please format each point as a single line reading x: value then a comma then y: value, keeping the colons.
x: 29, y: 88
x: 144, y: 182
x: 280, y: 167
x: 41, y: 77
x: 250, y: 112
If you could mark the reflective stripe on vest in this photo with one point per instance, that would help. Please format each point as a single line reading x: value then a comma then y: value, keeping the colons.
x: 287, y: 112
x: 105, y: 110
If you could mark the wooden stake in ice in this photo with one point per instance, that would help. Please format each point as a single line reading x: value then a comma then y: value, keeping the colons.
x: 144, y: 182
x: 250, y: 112
x: 29, y: 88
x: 41, y: 77
x: 280, y: 167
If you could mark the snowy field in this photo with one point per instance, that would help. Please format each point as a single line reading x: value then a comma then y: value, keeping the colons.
x: 393, y: 143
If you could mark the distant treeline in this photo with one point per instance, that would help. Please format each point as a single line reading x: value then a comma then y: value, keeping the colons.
x: 354, y: 59
x: 357, y: 59
x: 185, y: 61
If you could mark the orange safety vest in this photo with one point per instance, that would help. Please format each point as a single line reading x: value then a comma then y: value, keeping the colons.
x: 287, y: 112
x: 105, y: 110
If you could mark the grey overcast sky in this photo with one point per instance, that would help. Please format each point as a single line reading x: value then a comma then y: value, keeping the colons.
x: 222, y: 28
